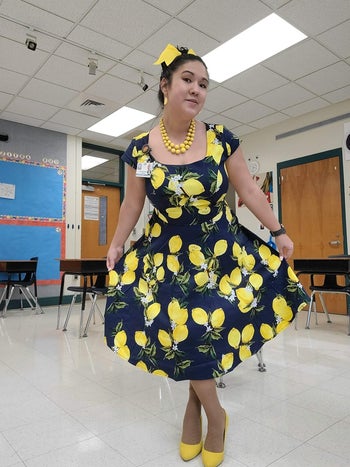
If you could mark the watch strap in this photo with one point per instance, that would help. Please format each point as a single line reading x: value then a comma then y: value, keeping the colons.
x: 278, y: 232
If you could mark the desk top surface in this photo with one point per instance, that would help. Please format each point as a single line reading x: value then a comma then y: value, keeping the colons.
x: 332, y: 265
x: 83, y: 265
x: 17, y: 265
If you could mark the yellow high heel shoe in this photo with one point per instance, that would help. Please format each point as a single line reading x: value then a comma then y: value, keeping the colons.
x: 190, y: 451
x: 214, y: 459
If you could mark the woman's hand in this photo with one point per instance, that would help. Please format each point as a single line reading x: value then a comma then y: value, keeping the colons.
x: 113, y: 256
x: 285, y: 246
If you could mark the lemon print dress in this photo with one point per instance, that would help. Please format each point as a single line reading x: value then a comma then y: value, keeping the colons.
x: 198, y: 293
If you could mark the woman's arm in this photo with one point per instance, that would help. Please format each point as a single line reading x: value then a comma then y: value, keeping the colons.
x: 129, y: 214
x: 255, y: 200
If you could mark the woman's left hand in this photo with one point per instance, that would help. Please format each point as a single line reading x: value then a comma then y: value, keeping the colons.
x: 285, y: 246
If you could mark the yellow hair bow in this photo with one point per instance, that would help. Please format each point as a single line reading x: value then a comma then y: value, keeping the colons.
x: 169, y: 54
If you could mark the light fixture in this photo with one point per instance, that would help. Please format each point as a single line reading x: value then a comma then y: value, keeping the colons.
x: 142, y: 83
x: 31, y: 42
x: 121, y: 121
x: 92, y: 65
x: 252, y: 46
x: 88, y: 162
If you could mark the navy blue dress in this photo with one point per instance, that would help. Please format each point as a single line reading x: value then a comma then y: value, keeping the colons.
x: 198, y: 293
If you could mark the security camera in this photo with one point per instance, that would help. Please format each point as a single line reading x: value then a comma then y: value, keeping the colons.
x: 142, y: 83
x: 31, y: 42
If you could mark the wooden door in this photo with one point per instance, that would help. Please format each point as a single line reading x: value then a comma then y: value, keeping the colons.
x: 311, y: 208
x: 100, y: 211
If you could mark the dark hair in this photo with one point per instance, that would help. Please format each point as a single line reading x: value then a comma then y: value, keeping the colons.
x: 168, y: 70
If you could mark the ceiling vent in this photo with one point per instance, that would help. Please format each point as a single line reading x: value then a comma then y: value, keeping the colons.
x: 91, y: 103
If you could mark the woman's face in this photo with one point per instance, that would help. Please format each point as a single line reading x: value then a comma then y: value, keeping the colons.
x: 188, y: 89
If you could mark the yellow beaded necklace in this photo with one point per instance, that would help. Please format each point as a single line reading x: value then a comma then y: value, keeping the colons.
x: 178, y: 148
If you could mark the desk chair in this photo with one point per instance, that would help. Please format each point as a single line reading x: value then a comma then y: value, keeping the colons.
x: 261, y: 367
x: 23, y: 283
x: 92, y: 292
x: 329, y: 286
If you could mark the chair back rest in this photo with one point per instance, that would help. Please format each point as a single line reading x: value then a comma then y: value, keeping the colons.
x: 31, y: 275
x: 100, y: 282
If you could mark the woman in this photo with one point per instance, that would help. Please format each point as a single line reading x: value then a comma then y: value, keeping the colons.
x: 197, y: 293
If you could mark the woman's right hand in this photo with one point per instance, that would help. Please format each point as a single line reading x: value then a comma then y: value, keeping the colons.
x: 113, y: 256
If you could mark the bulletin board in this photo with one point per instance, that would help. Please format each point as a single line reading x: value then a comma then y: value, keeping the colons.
x: 38, y: 191
x: 24, y: 242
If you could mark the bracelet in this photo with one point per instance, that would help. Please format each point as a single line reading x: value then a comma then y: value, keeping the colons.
x: 279, y: 232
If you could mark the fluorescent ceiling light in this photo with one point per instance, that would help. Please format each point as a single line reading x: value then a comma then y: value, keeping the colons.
x: 88, y: 162
x: 257, y: 43
x: 121, y: 121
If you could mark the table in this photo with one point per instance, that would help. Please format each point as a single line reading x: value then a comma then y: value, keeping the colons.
x: 330, y: 268
x: 84, y: 267
x: 17, y: 266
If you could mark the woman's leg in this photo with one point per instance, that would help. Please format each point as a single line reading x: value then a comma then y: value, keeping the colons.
x: 206, y: 393
x: 192, y: 426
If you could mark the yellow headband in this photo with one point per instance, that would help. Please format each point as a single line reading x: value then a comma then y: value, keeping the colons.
x: 169, y: 54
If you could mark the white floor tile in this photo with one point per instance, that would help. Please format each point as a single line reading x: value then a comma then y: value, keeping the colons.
x: 67, y: 401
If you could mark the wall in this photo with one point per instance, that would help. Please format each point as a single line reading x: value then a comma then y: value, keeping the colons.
x: 271, y: 151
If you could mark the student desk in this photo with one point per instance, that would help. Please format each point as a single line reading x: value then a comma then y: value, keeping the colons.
x: 18, y: 267
x: 84, y: 267
x: 330, y: 268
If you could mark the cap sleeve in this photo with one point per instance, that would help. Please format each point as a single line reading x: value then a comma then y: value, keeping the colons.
x: 134, y: 152
x: 230, y: 142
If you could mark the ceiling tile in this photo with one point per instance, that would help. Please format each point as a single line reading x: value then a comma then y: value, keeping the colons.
x: 248, y: 112
x: 220, y: 20
x: 61, y: 128
x: 315, y: 16
x: 328, y: 79
x: 74, y: 119
x: 64, y: 8
x: 285, y: 96
x: 306, y: 107
x: 117, y: 90
x: 5, y: 99
x: 269, y: 120
x: 79, y: 55
x: 12, y: 82
x: 220, y: 99
x: 97, y: 41
x: 18, y: 33
x: 337, y: 39
x: 338, y: 96
x: 17, y: 57
x: 12, y: 117
x: 300, y: 60
x: 66, y: 73
x: 31, y: 108
x: 43, y: 91
x: 139, y: 20
x: 36, y: 17
x: 172, y: 8
x: 178, y: 33
x: 255, y: 81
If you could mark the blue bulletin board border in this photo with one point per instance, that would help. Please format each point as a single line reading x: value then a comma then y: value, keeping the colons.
x: 39, y: 191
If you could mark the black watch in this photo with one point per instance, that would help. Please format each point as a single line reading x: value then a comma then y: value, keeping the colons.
x: 279, y: 232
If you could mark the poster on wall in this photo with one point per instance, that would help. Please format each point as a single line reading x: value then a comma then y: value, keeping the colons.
x: 264, y: 181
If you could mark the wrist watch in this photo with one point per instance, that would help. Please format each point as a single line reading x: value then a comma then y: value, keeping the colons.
x: 278, y: 232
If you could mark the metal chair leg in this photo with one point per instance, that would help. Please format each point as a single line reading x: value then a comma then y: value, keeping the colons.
x: 312, y: 300
x: 325, y: 308
x: 69, y: 312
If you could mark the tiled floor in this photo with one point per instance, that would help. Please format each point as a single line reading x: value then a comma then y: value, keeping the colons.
x: 66, y: 401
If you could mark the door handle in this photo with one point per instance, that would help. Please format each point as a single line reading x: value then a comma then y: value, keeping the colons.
x: 334, y: 242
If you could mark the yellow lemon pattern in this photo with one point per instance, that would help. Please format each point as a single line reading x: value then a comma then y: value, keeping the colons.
x: 197, y: 293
